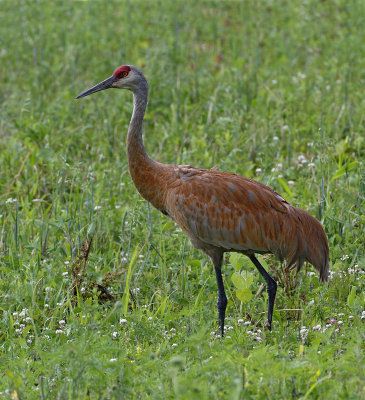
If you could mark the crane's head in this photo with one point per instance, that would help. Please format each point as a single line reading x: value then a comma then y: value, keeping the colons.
x: 124, y: 77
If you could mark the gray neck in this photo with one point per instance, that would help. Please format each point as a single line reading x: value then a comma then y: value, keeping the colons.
x: 135, y: 147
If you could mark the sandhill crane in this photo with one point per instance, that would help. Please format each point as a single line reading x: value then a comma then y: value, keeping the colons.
x: 219, y: 211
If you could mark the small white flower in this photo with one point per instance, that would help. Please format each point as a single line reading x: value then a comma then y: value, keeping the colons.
x: 274, y: 81
x: 115, y: 335
x: 150, y: 318
x: 23, y: 313
x: 97, y: 208
x: 247, y: 323
x: 123, y: 321
x: 275, y: 138
x: 10, y: 200
x: 67, y: 262
x: 62, y: 323
x: 351, y: 318
x: 59, y: 331
x: 174, y: 345
x: 240, y: 321
x: 317, y: 328
x: 301, y: 76
x: 258, y: 170
x: 113, y: 360
x: 65, y: 273
x: 311, y: 165
x: 28, y: 320
x: 173, y: 330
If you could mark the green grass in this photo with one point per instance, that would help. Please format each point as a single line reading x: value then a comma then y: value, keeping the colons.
x: 270, y: 90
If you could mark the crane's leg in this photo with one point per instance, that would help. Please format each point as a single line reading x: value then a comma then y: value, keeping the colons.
x: 271, y: 287
x: 222, y: 298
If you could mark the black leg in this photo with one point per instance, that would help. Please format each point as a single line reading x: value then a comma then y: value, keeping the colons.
x: 271, y: 287
x: 222, y: 298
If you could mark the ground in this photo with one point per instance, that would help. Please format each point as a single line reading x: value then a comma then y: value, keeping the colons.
x: 273, y: 91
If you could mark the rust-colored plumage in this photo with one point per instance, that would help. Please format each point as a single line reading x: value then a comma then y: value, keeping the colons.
x: 219, y: 211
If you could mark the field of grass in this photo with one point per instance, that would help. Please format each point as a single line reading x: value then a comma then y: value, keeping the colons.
x: 273, y: 91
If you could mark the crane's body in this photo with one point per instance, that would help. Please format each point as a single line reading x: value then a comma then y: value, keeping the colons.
x: 219, y: 211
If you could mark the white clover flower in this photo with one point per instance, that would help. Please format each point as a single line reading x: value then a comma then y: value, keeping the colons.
x: 247, y: 323
x: 59, y: 331
x: 28, y: 320
x: 275, y: 138
x: 303, y: 333
x: 173, y: 330
x: 258, y: 170
x: 123, y: 321
x: 113, y: 360
x: 311, y: 165
x: 23, y: 313
x: 114, y: 335
x: 62, y: 323
x: 351, y: 318
x: 174, y: 345
x: 97, y: 208
x: 150, y: 318
x: 240, y: 321
x: 65, y: 273
x: 10, y: 200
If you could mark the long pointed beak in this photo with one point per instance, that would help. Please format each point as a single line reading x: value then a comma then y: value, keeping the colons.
x: 100, y: 86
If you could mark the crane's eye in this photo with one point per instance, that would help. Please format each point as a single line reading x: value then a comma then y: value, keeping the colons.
x: 122, y: 74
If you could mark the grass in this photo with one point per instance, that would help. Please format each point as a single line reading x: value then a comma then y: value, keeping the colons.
x: 272, y: 91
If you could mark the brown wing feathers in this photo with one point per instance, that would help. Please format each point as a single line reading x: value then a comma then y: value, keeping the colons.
x: 235, y: 213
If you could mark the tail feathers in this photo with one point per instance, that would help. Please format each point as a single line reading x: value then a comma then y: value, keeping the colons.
x: 311, y: 244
